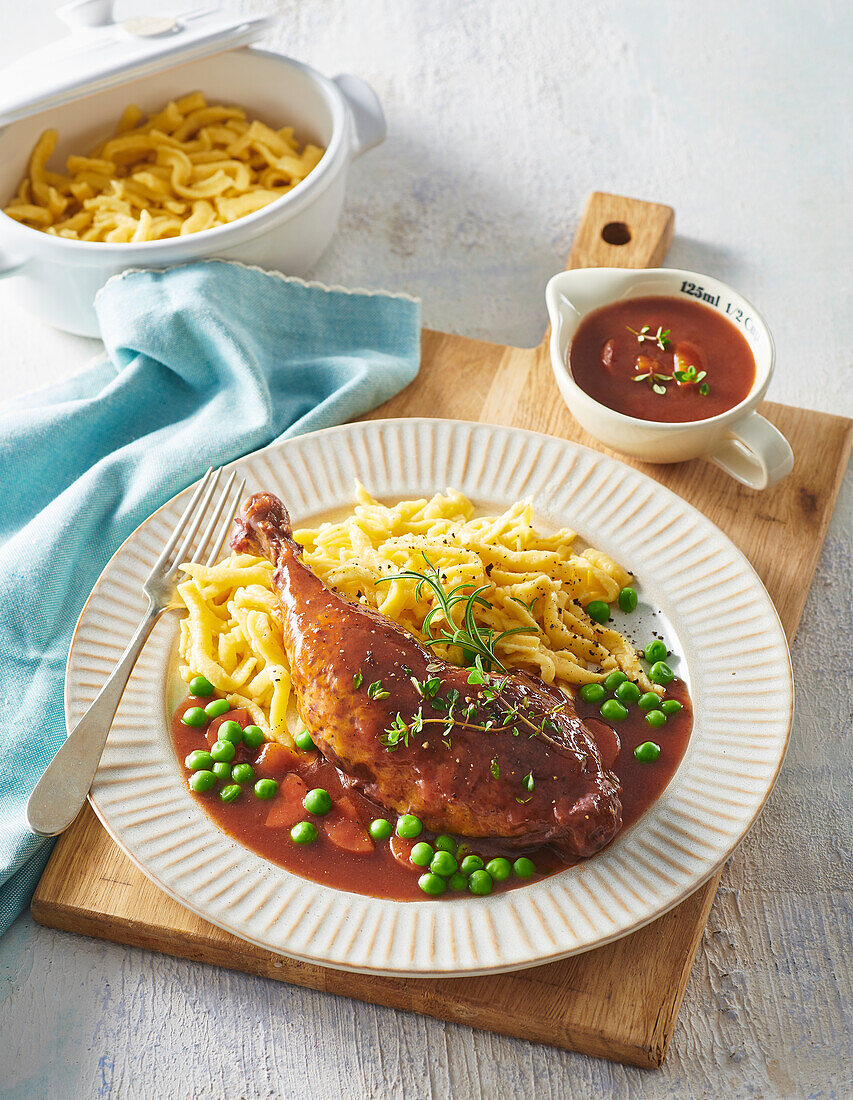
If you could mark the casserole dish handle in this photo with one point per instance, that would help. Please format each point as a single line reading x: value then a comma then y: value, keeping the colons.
x: 369, y: 124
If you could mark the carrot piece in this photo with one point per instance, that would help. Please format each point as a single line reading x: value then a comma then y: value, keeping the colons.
x: 273, y: 761
x: 346, y: 834
x: 347, y: 807
x: 287, y: 808
x: 401, y: 850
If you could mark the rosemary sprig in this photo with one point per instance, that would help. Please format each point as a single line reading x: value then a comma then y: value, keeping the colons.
x: 473, y: 640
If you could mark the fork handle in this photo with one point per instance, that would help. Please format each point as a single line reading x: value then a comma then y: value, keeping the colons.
x: 60, y: 793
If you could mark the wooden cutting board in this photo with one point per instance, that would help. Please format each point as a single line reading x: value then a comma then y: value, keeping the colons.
x: 617, y: 1002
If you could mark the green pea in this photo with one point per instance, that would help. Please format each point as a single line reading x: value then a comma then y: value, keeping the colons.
x: 317, y: 801
x: 649, y: 701
x: 222, y: 751
x: 470, y: 864
x: 655, y: 651
x: 612, y: 682
x: 267, y: 788
x: 221, y: 769
x: 647, y: 752
x: 217, y: 707
x: 199, y: 759
x: 242, y: 773
x: 380, y: 829
x: 303, y: 832
x: 202, y: 781
x: 661, y: 673
x: 613, y: 711
x: 432, y: 884
x: 593, y: 693
x: 421, y: 855
x: 499, y: 868
x: 671, y: 706
x: 443, y: 863
x: 524, y: 867
x: 457, y: 881
x: 598, y: 611
x: 628, y: 692
x: 628, y: 599
x: 230, y: 793
x: 253, y: 737
x: 304, y: 741
x: 195, y: 717
x: 480, y: 883
x: 656, y: 718
x: 409, y: 826
x: 445, y: 843
x: 230, y: 731
x: 200, y: 685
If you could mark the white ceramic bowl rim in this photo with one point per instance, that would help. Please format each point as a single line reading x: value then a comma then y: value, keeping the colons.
x: 293, y: 199
x: 759, y: 387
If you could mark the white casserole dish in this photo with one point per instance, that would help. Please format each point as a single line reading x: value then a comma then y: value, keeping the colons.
x: 57, y: 279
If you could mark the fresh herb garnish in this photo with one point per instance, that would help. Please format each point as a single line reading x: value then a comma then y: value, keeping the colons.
x: 661, y: 337
x: 477, y: 675
x: 523, y: 801
x: 688, y: 377
x: 397, y: 732
x: 357, y: 680
x: 470, y: 637
x: 527, y: 782
x: 376, y: 691
x: 494, y: 768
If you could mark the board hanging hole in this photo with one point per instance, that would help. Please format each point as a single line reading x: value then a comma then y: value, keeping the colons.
x: 616, y: 233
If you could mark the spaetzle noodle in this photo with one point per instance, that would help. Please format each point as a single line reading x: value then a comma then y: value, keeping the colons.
x: 181, y: 170
x: 232, y: 631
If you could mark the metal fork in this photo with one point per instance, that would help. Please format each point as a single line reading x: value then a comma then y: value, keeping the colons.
x: 60, y: 793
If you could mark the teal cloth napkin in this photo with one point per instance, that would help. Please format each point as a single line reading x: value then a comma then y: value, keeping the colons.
x: 206, y: 363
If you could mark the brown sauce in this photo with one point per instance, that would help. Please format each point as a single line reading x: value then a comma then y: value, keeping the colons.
x: 606, y: 357
x: 343, y: 856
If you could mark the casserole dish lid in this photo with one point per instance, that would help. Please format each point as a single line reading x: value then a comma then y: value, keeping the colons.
x: 102, y: 52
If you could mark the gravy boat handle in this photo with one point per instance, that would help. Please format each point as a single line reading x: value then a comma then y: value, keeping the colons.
x: 754, y: 452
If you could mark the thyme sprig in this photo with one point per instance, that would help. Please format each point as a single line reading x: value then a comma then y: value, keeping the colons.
x: 687, y: 377
x: 661, y: 337
x: 507, y: 716
x: 473, y: 640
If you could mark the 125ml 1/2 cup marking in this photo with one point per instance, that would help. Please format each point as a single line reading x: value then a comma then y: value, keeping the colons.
x: 731, y: 310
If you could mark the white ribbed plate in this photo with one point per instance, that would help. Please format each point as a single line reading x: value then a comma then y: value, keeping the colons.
x: 717, y: 614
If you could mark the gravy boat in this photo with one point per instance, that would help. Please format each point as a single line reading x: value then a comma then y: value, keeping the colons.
x: 739, y: 441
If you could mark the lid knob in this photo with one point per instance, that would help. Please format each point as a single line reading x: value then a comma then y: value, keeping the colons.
x: 86, y: 13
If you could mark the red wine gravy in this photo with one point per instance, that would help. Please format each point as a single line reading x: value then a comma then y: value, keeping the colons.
x: 616, y: 345
x: 344, y: 856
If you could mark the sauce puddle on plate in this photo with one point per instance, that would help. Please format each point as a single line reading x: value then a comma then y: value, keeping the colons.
x: 344, y: 856
x: 670, y: 360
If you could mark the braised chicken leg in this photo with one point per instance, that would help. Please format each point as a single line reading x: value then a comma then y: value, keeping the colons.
x: 507, y: 758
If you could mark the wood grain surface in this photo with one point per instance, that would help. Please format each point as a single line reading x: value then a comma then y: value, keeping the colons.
x: 620, y: 1001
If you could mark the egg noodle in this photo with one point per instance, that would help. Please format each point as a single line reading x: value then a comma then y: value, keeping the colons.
x: 232, y: 633
x: 183, y: 169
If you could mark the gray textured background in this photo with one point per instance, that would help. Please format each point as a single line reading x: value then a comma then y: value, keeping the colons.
x: 502, y: 117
